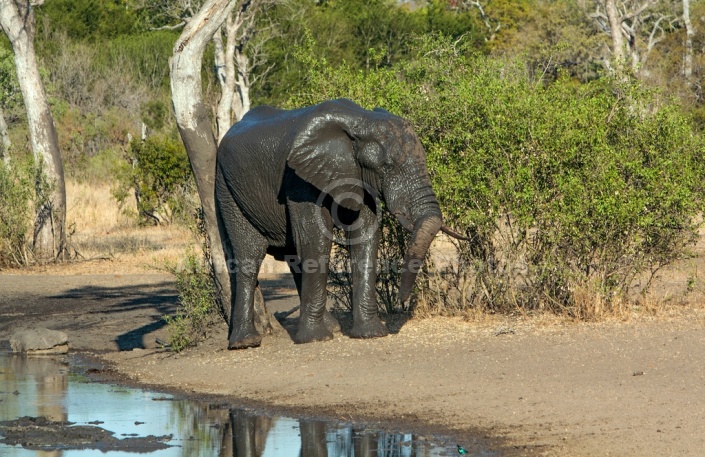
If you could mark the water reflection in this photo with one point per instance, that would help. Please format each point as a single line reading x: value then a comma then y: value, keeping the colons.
x: 257, y: 436
x: 47, y: 387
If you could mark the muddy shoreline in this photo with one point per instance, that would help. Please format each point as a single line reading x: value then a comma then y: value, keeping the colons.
x: 105, y: 371
x: 42, y: 434
x: 516, y: 386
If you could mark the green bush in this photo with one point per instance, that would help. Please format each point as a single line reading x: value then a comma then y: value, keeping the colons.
x: 572, y: 193
x: 147, y: 55
x: 16, y: 194
x: 10, y: 94
x: 158, y: 174
x: 197, y: 297
x: 88, y: 19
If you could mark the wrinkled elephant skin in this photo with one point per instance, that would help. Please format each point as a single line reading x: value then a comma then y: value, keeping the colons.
x: 285, y: 179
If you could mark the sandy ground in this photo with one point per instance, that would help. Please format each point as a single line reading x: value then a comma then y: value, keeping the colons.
x: 518, y: 386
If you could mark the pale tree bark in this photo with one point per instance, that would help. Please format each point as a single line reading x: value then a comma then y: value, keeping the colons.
x: 197, y: 134
x: 635, y: 28
x: 615, y: 22
x: 689, y: 34
x: 17, y: 20
x: 241, y: 99
x: 233, y: 65
x: 5, y: 143
x: 225, y: 69
x: 491, y: 25
x: 234, y: 78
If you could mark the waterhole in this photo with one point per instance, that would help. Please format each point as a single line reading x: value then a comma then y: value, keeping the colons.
x: 49, y: 407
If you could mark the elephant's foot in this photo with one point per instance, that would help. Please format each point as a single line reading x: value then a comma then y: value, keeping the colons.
x: 309, y: 332
x: 331, y: 322
x: 245, y: 339
x: 369, y: 328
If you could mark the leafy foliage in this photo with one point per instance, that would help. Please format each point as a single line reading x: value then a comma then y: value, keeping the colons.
x: 158, y: 173
x: 16, y: 192
x: 571, y: 192
x: 9, y: 87
x: 197, y: 310
x: 91, y: 19
x: 145, y: 54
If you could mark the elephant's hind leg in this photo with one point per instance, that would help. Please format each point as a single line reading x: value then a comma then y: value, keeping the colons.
x: 248, y: 248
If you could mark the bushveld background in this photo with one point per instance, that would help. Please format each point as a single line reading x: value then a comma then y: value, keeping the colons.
x: 579, y: 186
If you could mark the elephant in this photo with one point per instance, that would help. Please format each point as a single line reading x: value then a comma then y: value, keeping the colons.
x: 285, y: 178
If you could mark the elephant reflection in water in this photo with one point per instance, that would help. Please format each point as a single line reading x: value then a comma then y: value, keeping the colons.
x: 247, y: 435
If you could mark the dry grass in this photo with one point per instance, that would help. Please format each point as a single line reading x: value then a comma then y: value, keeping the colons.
x: 107, y: 241
x: 676, y: 289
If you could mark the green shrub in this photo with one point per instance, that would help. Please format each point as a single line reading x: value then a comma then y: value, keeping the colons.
x: 197, y: 297
x: 88, y: 19
x: 10, y: 94
x: 158, y: 174
x: 16, y: 194
x: 572, y: 193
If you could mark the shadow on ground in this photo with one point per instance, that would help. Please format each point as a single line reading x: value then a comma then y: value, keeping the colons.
x: 128, y: 310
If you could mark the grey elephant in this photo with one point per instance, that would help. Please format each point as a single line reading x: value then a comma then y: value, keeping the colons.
x: 285, y: 178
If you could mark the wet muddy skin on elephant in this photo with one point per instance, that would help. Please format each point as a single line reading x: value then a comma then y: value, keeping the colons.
x: 47, y: 404
x: 284, y: 179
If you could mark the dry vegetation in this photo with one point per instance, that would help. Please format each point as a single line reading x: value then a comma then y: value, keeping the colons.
x: 673, y: 289
x: 109, y: 241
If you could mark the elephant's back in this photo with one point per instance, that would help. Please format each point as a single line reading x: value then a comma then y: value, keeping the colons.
x: 252, y: 158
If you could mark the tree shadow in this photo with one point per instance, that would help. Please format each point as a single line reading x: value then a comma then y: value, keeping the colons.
x: 142, y: 304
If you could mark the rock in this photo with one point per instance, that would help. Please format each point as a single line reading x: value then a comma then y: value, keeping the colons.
x: 40, y: 341
x: 60, y: 349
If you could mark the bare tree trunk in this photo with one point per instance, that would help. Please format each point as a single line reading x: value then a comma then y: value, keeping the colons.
x: 226, y: 75
x: 198, y: 137
x: 233, y: 66
x: 6, y: 144
x: 17, y: 20
x: 241, y: 98
x: 195, y: 126
x: 615, y: 22
x: 689, y: 34
x: 222, y: 119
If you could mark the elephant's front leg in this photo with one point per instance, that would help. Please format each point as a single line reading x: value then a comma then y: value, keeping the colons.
x: 364, y: 242
x: 331, y: 322
x: 311, y: 225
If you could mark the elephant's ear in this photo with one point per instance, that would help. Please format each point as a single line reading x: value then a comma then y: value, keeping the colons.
x: 324, y: 156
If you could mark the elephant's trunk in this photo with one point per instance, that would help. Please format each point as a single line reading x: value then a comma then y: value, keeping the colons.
x: 425, y: 229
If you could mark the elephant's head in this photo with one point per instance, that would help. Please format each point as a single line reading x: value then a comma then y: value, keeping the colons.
x: 347, y: 151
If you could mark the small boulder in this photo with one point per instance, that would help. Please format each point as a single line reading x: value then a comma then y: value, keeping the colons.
x: 40, y: 341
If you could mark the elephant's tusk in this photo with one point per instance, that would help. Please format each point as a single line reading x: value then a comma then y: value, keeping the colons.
x: 404, y: 221
x: 455, y: 235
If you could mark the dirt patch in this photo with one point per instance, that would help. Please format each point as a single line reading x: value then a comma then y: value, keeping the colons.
x: 520, y: 386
